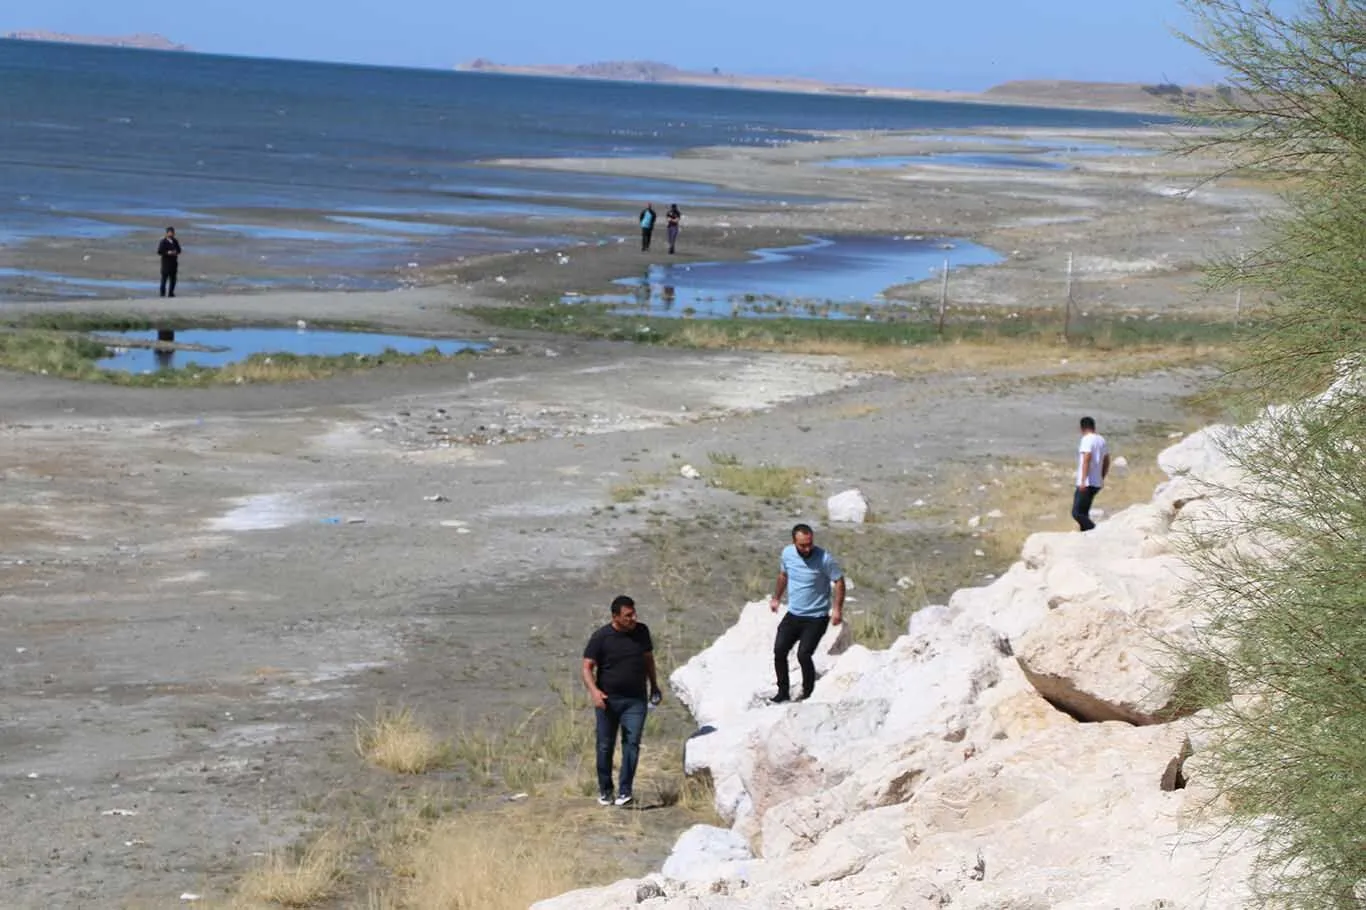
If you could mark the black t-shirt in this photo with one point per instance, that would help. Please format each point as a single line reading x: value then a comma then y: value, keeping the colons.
x: 620, y: 657
x: 166, y: 247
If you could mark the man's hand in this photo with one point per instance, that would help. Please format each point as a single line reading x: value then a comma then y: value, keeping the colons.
x: 656, y: 696
x: 836, y: 616
x: 599, y: 698
x: 773, y: 604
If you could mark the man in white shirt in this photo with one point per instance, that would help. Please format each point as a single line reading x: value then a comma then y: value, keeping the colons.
x: 1093, y: 463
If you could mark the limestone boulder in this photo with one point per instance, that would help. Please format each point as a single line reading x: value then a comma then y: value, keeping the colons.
x: 1105, y: 654
x: 734, y: 675
x: 705, y: 854
x: 849, y: 507
x: 925, y: 687
x: 1059, y: 819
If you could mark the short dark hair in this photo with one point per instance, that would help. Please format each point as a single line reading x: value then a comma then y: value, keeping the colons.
x: 802, y: 529
x: 621, y: 603
x: 169, y: 229
x: 1088, y: 423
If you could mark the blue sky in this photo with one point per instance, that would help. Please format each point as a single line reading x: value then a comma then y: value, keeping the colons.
x: 952, y: 44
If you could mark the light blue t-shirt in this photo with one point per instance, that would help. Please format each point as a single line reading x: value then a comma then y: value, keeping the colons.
x: 809, y: 580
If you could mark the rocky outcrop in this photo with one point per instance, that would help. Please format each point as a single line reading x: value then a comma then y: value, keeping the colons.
x: 1021, y: 746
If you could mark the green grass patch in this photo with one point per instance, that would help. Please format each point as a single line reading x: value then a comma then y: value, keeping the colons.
x: 759, y: 481
x: 599, y: 321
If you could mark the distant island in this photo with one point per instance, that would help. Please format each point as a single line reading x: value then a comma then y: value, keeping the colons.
x: 145, y: 41
x: 1125, y: 96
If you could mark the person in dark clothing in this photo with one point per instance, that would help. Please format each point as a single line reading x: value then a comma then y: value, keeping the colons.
x: 808, y: 575
x: 169, y: 251
x: 671, y: 220
x: 647, y: 225
x: 617, y: 662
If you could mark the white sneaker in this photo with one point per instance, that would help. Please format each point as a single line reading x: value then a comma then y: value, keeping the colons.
x: 623, y: 800
x: 604, y: 799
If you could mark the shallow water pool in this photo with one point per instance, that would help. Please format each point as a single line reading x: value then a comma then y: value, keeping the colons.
x: 233, y: 345
x: 818, y: 279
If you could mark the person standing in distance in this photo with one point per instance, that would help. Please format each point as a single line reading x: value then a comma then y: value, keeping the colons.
x: 617, y: 662
x: 647, y: 225
x: 169, y: 251
x: 1093, y: 464
x: 807, y: 573
x: 671, y: 222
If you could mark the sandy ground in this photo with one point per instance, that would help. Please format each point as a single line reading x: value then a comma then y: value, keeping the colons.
x: 200, y: 590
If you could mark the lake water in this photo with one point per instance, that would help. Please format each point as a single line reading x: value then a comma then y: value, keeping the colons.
x: 78, y: 134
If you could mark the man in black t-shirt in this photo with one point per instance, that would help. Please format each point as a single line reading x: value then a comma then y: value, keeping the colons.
x: 169, y: 251
x: 617, y: 662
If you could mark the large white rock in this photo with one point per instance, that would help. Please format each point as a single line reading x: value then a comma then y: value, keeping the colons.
x: 940, y: 772
x: 735, y: 674
x: 1101, y: 662
x: 705, y: 853
x: 1061, y: 818
x: 849, y: 506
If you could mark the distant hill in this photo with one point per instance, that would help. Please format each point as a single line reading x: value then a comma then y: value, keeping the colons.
x: 1132, y: 95
x: 1154, y: 98
x: 145, y: 41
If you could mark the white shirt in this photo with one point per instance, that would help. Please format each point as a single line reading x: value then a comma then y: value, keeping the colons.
x: 1095, y: 444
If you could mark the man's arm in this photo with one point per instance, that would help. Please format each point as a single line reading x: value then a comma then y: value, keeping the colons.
x: 1105, y: 466
x: 590, y: 681
x: 779, y: 588
x: 837, y: 611
x: 651, y: 673
x: 1085, y: 469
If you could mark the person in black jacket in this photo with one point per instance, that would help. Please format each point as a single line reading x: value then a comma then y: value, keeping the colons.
x: 617, y: 662
x: 169, y: 251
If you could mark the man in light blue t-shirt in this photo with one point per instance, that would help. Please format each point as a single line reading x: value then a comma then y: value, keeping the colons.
x: 807, y: 573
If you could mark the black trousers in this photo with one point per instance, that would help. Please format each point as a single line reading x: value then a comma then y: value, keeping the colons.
x: 806, y: 634
x: 1081, y: 506
x: 645, y: 237
x: 168, y: 276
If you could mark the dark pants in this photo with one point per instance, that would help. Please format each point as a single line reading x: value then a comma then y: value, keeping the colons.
x: 1081, y: 506
x: 627, y: 715
x: 673, y: 236
x: 645, y: 234
x: 168, y: 276
x: 806, y: 633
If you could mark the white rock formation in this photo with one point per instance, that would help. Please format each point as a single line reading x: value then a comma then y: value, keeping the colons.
x: 849, y: 506
x: 956, y: 768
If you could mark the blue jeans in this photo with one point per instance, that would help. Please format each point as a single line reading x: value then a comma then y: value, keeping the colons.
x: 627, y: 715
x: 1081, y: 506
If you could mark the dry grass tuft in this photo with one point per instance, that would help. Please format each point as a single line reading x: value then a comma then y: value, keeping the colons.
x: 504, y: 860
x: 298, y: 878
x: 396, y: 741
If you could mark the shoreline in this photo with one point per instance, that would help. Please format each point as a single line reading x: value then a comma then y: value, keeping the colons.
x: 849, y: 201
x: 238, y: 631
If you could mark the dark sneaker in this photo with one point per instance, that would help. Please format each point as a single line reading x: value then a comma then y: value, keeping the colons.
x: 780, y: 698
x: 623, y: 800
x: 604, y: 799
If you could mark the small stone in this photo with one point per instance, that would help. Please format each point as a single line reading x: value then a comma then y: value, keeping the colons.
x: 849, y: 506
x: 648, y: 891
x: 689, y: 472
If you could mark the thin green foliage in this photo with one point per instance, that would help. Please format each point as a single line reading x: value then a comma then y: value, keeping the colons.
x: 1283, y: 656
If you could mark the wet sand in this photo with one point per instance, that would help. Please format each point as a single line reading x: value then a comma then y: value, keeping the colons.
x: 190, y: 635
